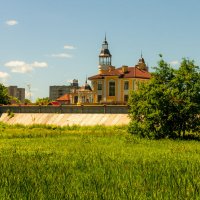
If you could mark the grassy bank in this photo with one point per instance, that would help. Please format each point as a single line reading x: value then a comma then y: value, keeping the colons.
x: 95, y: 163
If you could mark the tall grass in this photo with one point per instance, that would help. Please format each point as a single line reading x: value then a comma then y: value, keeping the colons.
x: 39, y: 162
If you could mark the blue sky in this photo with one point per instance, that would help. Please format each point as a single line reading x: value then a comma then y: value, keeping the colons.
x: 49, y: 42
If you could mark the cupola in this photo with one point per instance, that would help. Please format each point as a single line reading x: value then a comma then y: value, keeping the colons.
x: 105, y: 57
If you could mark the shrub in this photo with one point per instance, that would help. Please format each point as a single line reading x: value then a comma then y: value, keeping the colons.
x: 169, y: 104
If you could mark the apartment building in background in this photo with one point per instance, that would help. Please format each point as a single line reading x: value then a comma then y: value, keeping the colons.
x: 16, y: 92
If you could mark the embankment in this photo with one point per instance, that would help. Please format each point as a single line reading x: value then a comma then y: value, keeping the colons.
x: 65, y: 119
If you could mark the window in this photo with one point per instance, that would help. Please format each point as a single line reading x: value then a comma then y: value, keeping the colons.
x: 99, y: 98
x: 75, y: 99
x: 126, y: 85
x: 83, y: 99
x: 126, y: 98
x: 111, y: 88
x: 99, y: 86
x: 60, y: 92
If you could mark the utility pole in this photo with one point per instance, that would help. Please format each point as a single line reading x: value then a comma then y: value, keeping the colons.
x: 29, y: 91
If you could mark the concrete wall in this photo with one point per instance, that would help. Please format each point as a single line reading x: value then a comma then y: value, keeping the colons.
x: 66, y: 109
x: 65, y: 119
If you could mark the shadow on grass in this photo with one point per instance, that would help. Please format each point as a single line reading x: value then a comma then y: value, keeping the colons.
x: 191, y: 136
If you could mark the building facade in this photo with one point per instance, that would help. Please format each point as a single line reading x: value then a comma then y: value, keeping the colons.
x: 57, y: 91
x: 113, y: 85
x: 83, y: 95
x: 16, y: 92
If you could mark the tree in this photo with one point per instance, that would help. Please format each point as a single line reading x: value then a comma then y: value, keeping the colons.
x: 4, y: 97
x: 169, y: 104
x: 14, y: 100
x: 27, y: 101
x: 42, y: 101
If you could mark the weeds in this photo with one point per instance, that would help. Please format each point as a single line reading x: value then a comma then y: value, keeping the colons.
x: 10, y: 113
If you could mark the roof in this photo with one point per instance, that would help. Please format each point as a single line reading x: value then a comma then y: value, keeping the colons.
x: 132, y: 72
x: 105, y: 53
x: 85, y: 87
x: 65, y: 97
x: 54, y: 103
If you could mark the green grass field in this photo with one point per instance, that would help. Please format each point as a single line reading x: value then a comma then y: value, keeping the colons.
x: 41, y: 162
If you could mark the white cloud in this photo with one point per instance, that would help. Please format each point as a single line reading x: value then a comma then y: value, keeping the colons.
x: 69, y: 47
x: 11, y: 22
x: 62, y: 55
x: 175, y: 62
x: 23, y: 67
x: 39, y: 64
x: 4, y: 76
x: 19, y: 67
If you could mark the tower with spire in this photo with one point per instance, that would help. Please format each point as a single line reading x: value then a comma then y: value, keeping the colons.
x: 105, y: 57
x: 141, y: 64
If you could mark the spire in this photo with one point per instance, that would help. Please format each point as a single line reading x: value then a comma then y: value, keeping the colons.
x: 141, y: 60
x: 105, y: 43
x: 141, y: 63
x: 86, y: 86
x: 105, y: 56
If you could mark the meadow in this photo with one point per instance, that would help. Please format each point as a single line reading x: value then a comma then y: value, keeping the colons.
x: 48, y: 162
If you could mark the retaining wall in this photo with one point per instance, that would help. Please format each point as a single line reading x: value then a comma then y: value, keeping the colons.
x: 65, y: 119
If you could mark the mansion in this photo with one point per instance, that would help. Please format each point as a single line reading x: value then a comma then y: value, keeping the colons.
x: 110, y: 85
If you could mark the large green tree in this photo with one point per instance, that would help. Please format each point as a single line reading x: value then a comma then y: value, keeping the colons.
x: 4, y: 97
x: 169, y: 104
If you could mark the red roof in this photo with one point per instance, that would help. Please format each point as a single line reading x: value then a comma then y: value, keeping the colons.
x: 65, y: 97
x: 132, y: 72
x: 54, y: 103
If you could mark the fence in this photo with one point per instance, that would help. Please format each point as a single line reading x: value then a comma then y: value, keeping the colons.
x: 114, y: 109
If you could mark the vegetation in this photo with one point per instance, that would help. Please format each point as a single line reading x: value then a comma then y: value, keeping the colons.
x: 42, y: 101
x: 169, y: 104
x: 10, y: 113
x: 14, y: 100
x: 4, y: 98
x: 27, y: 101
x: 49, y: 162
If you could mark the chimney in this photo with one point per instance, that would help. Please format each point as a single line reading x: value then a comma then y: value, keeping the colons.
x: 124, y: 68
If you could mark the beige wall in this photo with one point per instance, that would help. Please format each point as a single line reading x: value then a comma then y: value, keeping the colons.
x: 119, y: 88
